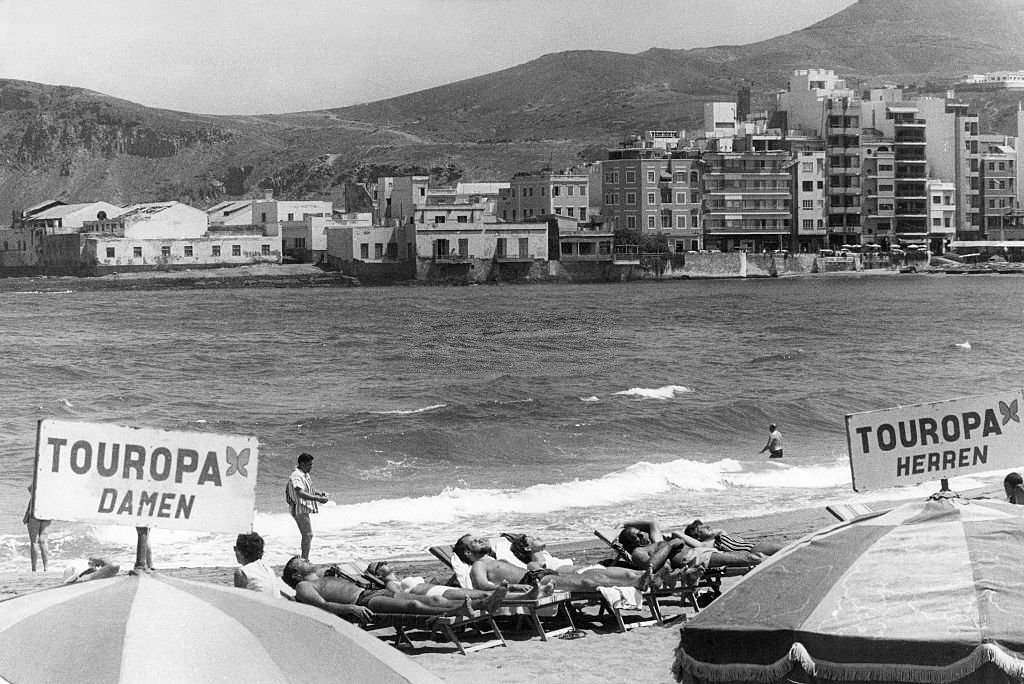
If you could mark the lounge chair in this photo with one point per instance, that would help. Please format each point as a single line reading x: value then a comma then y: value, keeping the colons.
x: 703, y: 590
x: 530, y: 609
x: 849, y: 511
x: 449, y: 627
x: 608, y: 607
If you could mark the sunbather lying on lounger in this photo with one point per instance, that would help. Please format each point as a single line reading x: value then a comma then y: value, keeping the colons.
x: 417, y: 586
x: 347, y: 599
x: 650, y: 548
x: 487, y: 572
x: 724, y: 541
x: 532, y: 551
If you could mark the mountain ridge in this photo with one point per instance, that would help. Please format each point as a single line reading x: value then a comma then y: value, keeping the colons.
x: 559, y: 109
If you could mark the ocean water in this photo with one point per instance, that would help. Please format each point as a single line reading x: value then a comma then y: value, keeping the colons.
x: 556, y: 409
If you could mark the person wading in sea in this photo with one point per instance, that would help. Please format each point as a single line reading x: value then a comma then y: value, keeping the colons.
x: 302, y: 499
x: 774, y: 444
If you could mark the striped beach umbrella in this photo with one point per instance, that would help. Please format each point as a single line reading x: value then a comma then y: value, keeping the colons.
x: 153, y: 628
x: 927, y: 592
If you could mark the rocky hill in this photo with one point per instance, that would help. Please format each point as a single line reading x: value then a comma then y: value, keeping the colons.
x: 562, y: 108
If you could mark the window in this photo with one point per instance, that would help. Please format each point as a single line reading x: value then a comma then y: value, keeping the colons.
x: 558, y: 211
x: 556, y: 190
x: 463, y: 219
x: 215, y: 250
x: 439, y: 219
x: 463, y: 246
x: 630, y: 198
x: 364, y: 250
x: 378, y: 250
x: 650, y: 176
x: 188, y: 250
x: 937, y: 222
x: 500, y: 248
x: 291, y: 217
x: 650, y: 221
x: 583, y: 214
x: 543, y: 191
x: 651, y: 199
x: 631, y: 222
x: 236, y: 250
x: 666, y: 220
x: 265, y: 250
x: 110, y: 252
x: 680, y: 198
x: 583, y: 190
x: 568, y: 189
x: 806, y: 167
x: 681, y: 221
x: 807, y: 186
x: 524, y: 247
x: 165, y: 251
x: 630, y: 176
x: 137, y: 252
x: 936, y: 199
x: 263, y: 217
x: 392, y: 250
x: 807, y: 224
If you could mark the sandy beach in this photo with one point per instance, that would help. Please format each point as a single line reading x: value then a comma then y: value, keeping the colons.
x: 603, y: 655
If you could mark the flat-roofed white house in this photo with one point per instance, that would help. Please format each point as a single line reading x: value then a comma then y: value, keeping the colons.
x: 462, y: 243
x: 314, y: 232
x: 287, y: 218
x: 373, y: 254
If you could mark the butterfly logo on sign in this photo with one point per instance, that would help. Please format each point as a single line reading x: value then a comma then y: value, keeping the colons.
x: 238, y: 461
x: 1009, y: 412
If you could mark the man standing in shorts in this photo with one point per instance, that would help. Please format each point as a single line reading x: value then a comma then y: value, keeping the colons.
x: 303, y: 499
x: 774, y: 444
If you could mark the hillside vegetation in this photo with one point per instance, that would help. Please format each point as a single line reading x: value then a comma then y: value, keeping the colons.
x: 563, y: 108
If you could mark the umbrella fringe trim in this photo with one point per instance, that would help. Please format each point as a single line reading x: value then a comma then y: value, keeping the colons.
x: 690, y: 671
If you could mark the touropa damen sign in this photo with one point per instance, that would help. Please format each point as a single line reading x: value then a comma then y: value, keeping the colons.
x: 113, y: 474
x: 911, y: 444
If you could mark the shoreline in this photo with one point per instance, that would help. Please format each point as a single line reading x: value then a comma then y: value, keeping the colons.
x: 311, y: 276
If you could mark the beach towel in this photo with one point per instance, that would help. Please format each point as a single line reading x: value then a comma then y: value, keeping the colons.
x: 461, y: 572
x: 625, y: 598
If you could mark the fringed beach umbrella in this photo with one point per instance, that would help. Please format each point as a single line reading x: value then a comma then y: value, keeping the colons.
x: 929, y: 592
x: 152, y: 628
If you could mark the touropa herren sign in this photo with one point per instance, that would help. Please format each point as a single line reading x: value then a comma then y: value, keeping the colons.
x: 113, y: 474
x: 911, y: 444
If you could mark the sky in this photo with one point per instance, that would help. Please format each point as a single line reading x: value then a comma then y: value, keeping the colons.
x: 275, y: 56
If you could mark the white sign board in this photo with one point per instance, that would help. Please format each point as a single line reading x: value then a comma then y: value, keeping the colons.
x: 911, y: 444
x: 112, y: 474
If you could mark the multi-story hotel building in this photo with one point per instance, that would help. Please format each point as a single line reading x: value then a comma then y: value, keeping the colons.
x: 654, y: 190
x: 747, y: 198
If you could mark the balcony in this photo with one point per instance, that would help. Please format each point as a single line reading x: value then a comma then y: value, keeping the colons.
x: 515, y: 258
x: 626, y: 254
x: 452, y: 259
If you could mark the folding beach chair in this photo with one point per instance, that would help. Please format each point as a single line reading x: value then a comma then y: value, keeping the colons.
x: 849, y: 511
x: 451, y: 627
x: 531, y: 610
